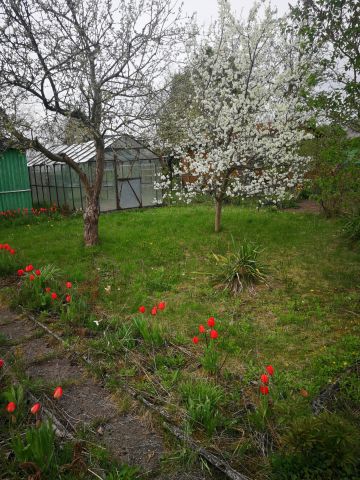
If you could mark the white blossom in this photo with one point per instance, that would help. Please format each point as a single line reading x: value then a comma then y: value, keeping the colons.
x: 247, y: 79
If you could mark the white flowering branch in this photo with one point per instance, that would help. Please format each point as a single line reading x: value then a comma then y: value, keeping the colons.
x: 247, y: 79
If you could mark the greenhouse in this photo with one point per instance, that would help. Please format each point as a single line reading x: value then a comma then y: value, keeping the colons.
x: 129, y: 176
x: 14, y: 180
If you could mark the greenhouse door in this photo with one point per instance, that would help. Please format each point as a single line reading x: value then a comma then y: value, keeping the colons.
x: 129, y: 193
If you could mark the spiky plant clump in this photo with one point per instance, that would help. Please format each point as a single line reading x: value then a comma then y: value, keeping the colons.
x: 241, y: 269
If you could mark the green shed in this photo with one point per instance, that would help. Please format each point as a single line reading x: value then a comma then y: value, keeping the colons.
x: 15, y: 190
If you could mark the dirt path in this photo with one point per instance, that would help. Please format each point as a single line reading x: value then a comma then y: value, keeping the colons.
x: 306, y: 206
x: 129, y: 438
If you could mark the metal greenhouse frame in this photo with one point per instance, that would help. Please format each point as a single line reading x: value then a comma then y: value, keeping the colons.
x: 129, y: 175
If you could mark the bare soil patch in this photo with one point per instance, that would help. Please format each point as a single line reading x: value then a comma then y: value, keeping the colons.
x: 306, y: 206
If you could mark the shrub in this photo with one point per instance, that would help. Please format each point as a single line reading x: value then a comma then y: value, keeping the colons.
x: 202, y: 399
x: 325, y: 446
x: 240, y: 270
x: 335, y: 170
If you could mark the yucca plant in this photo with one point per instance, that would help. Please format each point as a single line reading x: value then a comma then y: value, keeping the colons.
x: 240, y: 270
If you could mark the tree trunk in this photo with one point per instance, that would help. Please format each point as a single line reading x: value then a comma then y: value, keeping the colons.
x: 91, y: 221
x: 92, y: 211
x: 218, y: 207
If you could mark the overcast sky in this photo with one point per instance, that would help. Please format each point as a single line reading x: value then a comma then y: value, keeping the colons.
x: 207, y: 9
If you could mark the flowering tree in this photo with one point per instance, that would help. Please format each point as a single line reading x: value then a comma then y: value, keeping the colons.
x: 247, y: 79
x: 96, y: 64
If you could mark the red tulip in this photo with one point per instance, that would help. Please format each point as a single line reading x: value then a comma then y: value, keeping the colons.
x: 12, y: 251
x: 214, y: 334
x: 58, y: 393
x: 270, y: 370
x: 11, y: 407
x: 1, y: 245
x: 142, y: 309
x: 54, y: 296
x: 20, y: 272
x: 68, y: 284
x: 202, y: 329
x: 264, y: 390
x: 35, y: 408
x: 161, y: 305
x: 31, y: 278
x: 37, y: 272
x: 195, y: 340
x: 154, y: 311
x: 68, y: 298
x: 265, y: 379
x: 29, y: 268
x: 48, y: 289
x: 211, y: 322
x: 6, y: 246
x: 1, y: 362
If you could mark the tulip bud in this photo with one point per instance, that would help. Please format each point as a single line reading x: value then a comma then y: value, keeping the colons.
x: 35, y: 408
x: 58, y: 393
x: 11, y: 407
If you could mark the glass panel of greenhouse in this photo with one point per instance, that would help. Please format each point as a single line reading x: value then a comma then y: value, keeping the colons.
x: 129, y: 175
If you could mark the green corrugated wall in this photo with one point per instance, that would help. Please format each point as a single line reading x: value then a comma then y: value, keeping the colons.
x: 14, y: 181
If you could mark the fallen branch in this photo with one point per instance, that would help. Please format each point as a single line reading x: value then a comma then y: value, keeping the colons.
x: 60, y: 430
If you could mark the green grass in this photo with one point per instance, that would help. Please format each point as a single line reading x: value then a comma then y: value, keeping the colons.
x: 305, y: 322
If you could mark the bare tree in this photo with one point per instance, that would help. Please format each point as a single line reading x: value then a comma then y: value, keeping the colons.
x: 99, y: 62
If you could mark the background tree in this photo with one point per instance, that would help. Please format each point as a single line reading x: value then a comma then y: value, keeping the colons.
x: 333, y: 27
x: 247, y: 83
x: 99, y: 63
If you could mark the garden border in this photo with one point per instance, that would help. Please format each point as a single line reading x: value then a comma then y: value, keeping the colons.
x: 213, y: 459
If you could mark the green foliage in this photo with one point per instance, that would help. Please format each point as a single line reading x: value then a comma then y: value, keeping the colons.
x: 241, y: 269
x: 15, y: 393
x: 38, y: 446
x: 150, y: 333
x: 326, y: 446
x: 114, y: 341
x: 352, y: 228
x: 202, y: 399
x: 211, y: 358
x: 77, y: 312
x: 174, y: 361
x: 124, y: 472
x: 335, y: 170
x: 31, y: 294
x: 8, y: 263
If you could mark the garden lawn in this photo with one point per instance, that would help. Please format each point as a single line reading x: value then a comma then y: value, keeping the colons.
x: 305, y: 322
